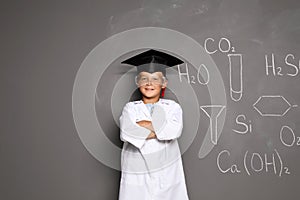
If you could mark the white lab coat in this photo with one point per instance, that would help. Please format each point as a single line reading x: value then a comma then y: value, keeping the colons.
x: 152, y: 169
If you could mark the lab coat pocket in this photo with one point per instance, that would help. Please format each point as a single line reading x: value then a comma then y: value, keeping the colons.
x: 132, y: 161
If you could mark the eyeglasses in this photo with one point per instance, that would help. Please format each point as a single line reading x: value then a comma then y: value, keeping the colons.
x: 144, y: 80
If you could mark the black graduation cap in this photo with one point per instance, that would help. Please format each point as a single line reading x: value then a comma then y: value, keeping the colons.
x: 153, y: 61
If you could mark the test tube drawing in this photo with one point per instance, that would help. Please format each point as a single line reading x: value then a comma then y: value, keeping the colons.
x: 215, y: 111
x: 236, y: 76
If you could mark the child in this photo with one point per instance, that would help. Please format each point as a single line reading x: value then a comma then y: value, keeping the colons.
x: 151, y: 160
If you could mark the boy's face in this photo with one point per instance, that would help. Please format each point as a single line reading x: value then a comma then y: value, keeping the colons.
x: 150, y: 84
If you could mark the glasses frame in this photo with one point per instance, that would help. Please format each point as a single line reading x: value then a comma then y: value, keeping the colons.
x: 164, y: 79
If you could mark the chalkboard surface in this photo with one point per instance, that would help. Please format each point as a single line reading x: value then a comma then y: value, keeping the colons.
x: 240, y: 143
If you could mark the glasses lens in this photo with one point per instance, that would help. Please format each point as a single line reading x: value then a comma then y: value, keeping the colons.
x: 143, y: 80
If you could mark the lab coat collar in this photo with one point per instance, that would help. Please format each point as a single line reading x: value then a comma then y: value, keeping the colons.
x: 144, y: 108
x: 158, y: 102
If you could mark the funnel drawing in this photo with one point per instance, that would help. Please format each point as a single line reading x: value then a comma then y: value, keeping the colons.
x: 215, y: 111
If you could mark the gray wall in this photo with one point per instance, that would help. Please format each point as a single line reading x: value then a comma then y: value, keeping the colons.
x: 43, y: 44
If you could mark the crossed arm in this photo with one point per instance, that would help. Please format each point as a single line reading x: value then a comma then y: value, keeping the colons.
x: 160, y: 128
x: 148, y: 125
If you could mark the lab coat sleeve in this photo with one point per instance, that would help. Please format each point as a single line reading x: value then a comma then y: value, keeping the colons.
x: 130, y: 131
x: 167, y: 126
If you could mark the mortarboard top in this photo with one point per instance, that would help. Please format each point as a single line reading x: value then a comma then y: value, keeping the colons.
x: 153, y: 61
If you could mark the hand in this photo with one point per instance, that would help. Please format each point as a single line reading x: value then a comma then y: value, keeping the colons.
x: 152, y: 135
x: 144, y: 123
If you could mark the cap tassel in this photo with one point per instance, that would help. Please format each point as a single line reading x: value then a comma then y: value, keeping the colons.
x: 163, y: 92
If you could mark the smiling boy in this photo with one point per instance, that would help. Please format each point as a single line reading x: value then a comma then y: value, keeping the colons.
x: 151, y: 159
